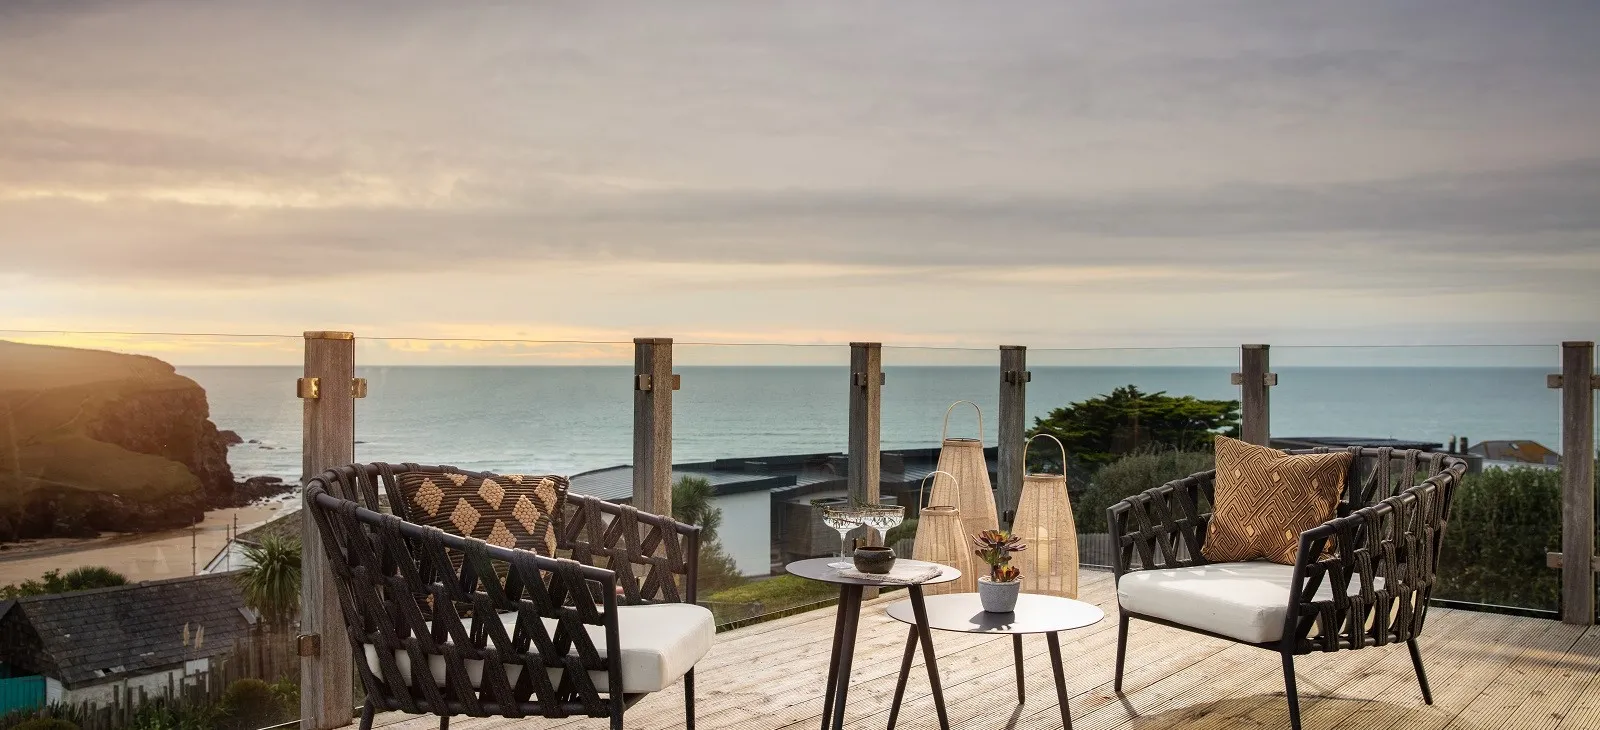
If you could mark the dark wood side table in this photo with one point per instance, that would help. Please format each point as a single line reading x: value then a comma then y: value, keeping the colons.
x: 844, y: 629
x: 1035, y: 614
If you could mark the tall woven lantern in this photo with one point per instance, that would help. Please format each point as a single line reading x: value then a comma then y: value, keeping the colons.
x: 1045, y: 523
x: 941, y: 538
x: 967, y: 486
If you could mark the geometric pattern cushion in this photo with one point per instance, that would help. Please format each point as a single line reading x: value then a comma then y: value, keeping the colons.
x: 1265, y: 498
x: 511, y: 511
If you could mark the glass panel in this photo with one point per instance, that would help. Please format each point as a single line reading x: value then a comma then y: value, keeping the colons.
x: 760, y: 432
x: 502, y: 406
x: 1113, y: 410
x: 132, y: 458
x: 1507, y: 514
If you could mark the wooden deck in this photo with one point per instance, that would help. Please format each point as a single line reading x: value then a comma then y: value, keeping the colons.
x: 1488, y: 672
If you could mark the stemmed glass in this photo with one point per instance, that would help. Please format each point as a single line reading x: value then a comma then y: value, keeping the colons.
x: 843, y: 520
x: 883, y: 518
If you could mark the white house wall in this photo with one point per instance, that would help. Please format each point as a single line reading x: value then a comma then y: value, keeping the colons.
x: 746, y: 531
x: 154, y: 685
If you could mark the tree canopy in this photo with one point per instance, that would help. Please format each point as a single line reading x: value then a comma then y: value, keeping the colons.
x: 1098, y: 430
x: 77, y: 579
x: 693, y: 503
x: 272, y: 582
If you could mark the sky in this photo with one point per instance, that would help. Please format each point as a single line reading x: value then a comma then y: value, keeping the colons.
x: 950, y: 174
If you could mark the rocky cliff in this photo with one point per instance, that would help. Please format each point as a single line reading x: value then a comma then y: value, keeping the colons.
x: 93, y: 440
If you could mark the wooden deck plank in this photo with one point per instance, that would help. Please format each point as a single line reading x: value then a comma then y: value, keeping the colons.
x: 1488, y: 671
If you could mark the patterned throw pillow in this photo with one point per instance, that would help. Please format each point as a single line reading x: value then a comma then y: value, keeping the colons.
x: 511, y: 511
x: 1265, y: 498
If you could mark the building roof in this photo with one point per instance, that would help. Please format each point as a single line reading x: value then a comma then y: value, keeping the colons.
x: 286, y: 525
x: 86, y: 637
x: 1520, y: 450
x: 785, y: 476
x: 1339, y: 442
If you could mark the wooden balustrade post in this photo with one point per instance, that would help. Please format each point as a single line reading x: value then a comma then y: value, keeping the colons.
x: 866, y: 425
x: 866, y: 413
x: 653, y: 383
x: 328, y: 390
x: 1012, y: 462
x: 1577, y: 560
x: 1255, y: 379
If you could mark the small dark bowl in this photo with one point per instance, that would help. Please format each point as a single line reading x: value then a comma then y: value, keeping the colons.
x: 875, y: 560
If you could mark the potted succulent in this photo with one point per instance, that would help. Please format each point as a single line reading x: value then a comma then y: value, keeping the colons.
x: 998, y: 590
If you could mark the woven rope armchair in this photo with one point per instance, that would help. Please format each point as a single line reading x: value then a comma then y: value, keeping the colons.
x: 510, y: 633
x: 1362, y: 579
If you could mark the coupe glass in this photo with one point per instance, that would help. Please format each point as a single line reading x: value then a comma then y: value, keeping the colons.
x: 883, y: 518
x: 843, y: 520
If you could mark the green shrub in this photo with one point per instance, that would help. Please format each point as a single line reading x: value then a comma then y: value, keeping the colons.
x: 54, y: 716
x: 1502, y: 523
x: 78, y: 579
x: 1131, y: 475
x: 162, y: 715
x: 45, y: 723
x: 251, y: 703
x: 907, y: 529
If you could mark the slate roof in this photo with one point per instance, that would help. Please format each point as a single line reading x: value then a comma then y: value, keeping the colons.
x: 286, y: 525
x: 91, y: 636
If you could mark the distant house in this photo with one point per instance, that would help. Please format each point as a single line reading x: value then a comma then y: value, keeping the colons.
x: 232, y: 555
x: 1516, y: 452
x: 85, y: 646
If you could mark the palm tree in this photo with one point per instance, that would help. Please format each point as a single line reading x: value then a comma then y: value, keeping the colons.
x: 272, y: 582
x: 693, y: 502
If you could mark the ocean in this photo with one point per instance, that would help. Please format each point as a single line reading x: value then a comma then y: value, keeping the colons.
x: 565, y: 420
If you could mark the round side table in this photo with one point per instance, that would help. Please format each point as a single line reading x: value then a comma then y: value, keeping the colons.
x: 849, y: 615
x: 1034, y: 614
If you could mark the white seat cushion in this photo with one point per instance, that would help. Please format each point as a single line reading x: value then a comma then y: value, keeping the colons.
x: 660, y: 643
x: 1247, y: 601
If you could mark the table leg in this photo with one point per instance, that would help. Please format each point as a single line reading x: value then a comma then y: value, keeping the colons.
x: 1061, y: 680
x: 920, y: 610
x: 833, y: 658
x: 847, y: 652
x: 1016, y: 648
x: 905, y: 671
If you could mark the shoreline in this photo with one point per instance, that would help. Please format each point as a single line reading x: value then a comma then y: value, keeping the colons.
x: 138, y: 556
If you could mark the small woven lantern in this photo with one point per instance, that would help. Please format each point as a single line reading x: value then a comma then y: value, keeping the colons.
x: 1045, y: 522
x: 967, y: 485
x: 941, y: 538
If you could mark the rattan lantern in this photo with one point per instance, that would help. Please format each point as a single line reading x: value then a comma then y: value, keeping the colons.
x: 967, y: 488
x: 941, y: 538
x: 1044, y: 521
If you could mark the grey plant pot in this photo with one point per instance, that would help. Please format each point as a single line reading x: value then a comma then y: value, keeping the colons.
x: 998, y: 597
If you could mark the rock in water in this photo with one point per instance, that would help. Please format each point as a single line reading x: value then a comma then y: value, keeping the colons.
x: 93, y: 440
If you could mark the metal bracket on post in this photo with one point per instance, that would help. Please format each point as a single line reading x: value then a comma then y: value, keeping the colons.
x: 1014, y: 377
x: 643, y: 383
x: 1270, y: 379
x: 307, y: 645
x: 1558, y: 381
x: 308, y: 388
x: 860, y: 379
x: 358, y: 387
x: 1554, y: 560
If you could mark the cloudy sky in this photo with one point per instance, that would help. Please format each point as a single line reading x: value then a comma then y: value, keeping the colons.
x: 1051, y: 174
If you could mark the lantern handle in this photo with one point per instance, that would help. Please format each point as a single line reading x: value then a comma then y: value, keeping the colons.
x: 1029, y: 444
x: 947, y: 411
x: 924, y: 484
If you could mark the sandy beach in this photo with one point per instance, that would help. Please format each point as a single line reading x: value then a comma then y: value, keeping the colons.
x: 143, y: 556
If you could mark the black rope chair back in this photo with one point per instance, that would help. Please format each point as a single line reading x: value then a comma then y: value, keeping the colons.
x: 508, y: 633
